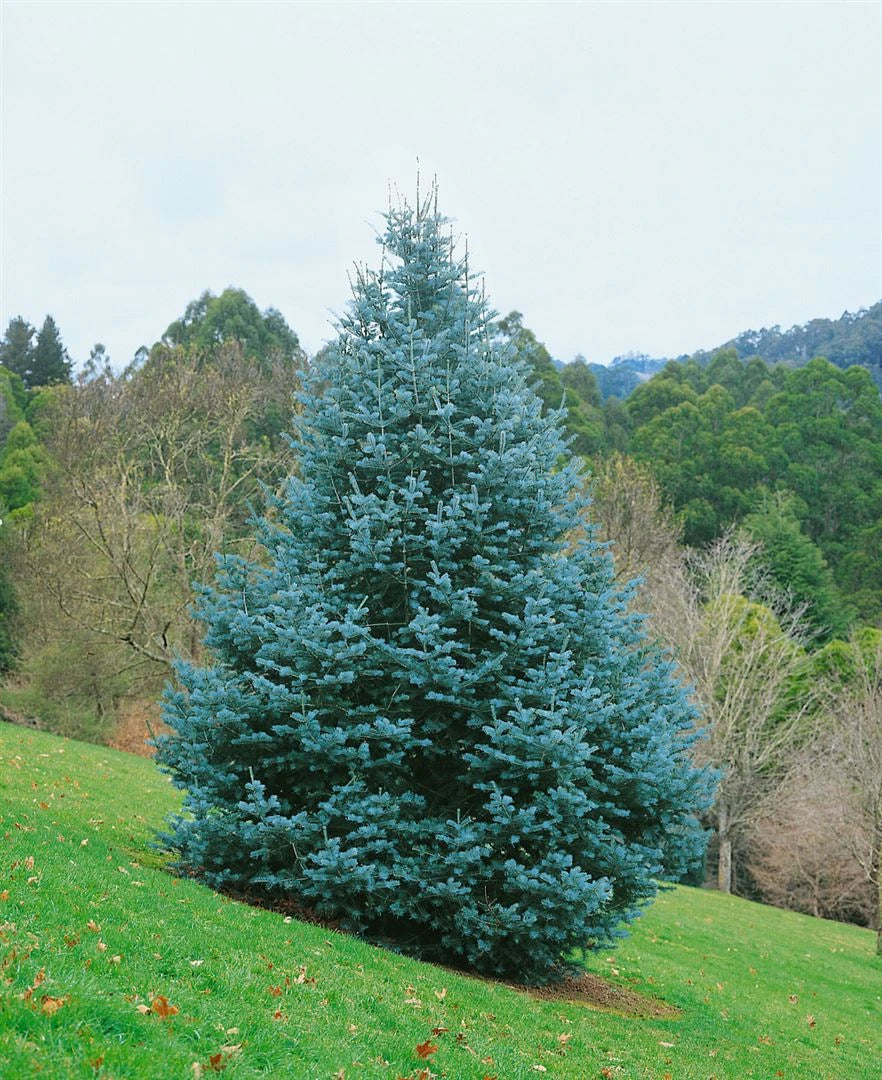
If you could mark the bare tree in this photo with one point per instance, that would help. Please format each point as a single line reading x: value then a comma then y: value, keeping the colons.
x: 801, y: 851
x: 856, y: 752
x: 153, y: 471
x: 740, y: 656
x: 629, y: 512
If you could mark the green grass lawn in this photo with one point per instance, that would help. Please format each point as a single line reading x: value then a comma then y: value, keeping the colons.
x: 109, y: 967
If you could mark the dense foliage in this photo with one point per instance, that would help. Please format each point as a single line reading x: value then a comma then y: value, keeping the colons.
x: 721, y: 437
x: 428, y: 714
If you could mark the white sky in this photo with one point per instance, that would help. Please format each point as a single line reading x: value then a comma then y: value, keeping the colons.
x: 655, y: 177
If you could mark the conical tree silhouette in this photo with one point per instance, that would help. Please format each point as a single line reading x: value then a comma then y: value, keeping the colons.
x: 430, y: 714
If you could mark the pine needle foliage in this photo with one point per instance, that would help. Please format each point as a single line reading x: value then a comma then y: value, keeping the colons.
x: 430, y: 714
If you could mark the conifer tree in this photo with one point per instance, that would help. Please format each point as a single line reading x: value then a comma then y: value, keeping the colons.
x: 17, y: 347
x: 429, y: 713
x: 50, y: 363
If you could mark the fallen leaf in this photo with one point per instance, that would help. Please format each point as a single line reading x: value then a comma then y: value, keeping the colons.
x: 276, y: 991
x: 50, y: 1005
x: 441, y: 994
x: 143, y: 1009
x: 426, y: 1049
x: 4, y: 895
x: 667, y: 1044
x: 93, y: 926
x: 793, y: 999
x: 810, y: 1020
x: 115, y: 959
x: 160, y: 1006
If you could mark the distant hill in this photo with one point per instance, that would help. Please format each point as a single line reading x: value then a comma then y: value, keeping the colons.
x: 624, y: 373
x: 855, y: 338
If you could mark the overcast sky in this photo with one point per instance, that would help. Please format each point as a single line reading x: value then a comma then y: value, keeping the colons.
x: 651, y: 177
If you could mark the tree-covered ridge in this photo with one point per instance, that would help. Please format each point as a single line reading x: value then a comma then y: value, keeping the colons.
x: 854, y: 338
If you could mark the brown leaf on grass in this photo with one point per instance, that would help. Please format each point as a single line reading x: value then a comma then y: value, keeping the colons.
x: 161, y: 1007
x: 810, y: 1020
x: 426, y: 1049
x: 276, y: 991
x: 50, y: 1005
x: 216, y: 1063
x: 38, y: 981
x: 441, y: 994
x: 93, y: 926
x: 793, y: 999
x: 97, y: 1062
x: 439, y: 1030
x: 143, y: 1009
x: 4, y: 895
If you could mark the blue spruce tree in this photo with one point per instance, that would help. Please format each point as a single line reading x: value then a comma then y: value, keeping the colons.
x: 430, y: 714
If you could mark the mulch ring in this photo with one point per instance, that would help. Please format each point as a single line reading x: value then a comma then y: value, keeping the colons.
x: 596, y: 993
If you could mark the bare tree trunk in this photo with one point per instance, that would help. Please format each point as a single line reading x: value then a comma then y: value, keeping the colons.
x: 879, y: 902
x: 724, y: 857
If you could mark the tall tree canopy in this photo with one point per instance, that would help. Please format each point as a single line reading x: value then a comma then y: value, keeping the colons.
x: 429, y: 714
x: 234, y: 316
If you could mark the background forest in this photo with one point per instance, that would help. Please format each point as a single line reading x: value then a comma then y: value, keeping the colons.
x: 742, y: 486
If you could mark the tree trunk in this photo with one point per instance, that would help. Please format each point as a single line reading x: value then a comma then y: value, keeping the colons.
x: 879, y: 901
x: 724, y: 857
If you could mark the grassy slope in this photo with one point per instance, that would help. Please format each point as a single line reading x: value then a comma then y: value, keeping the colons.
x: 94, y: 929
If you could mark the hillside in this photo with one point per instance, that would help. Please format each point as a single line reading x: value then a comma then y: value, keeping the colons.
x: 109, y: 966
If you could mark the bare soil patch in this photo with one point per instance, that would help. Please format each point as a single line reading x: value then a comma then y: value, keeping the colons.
x: 596, y: 993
